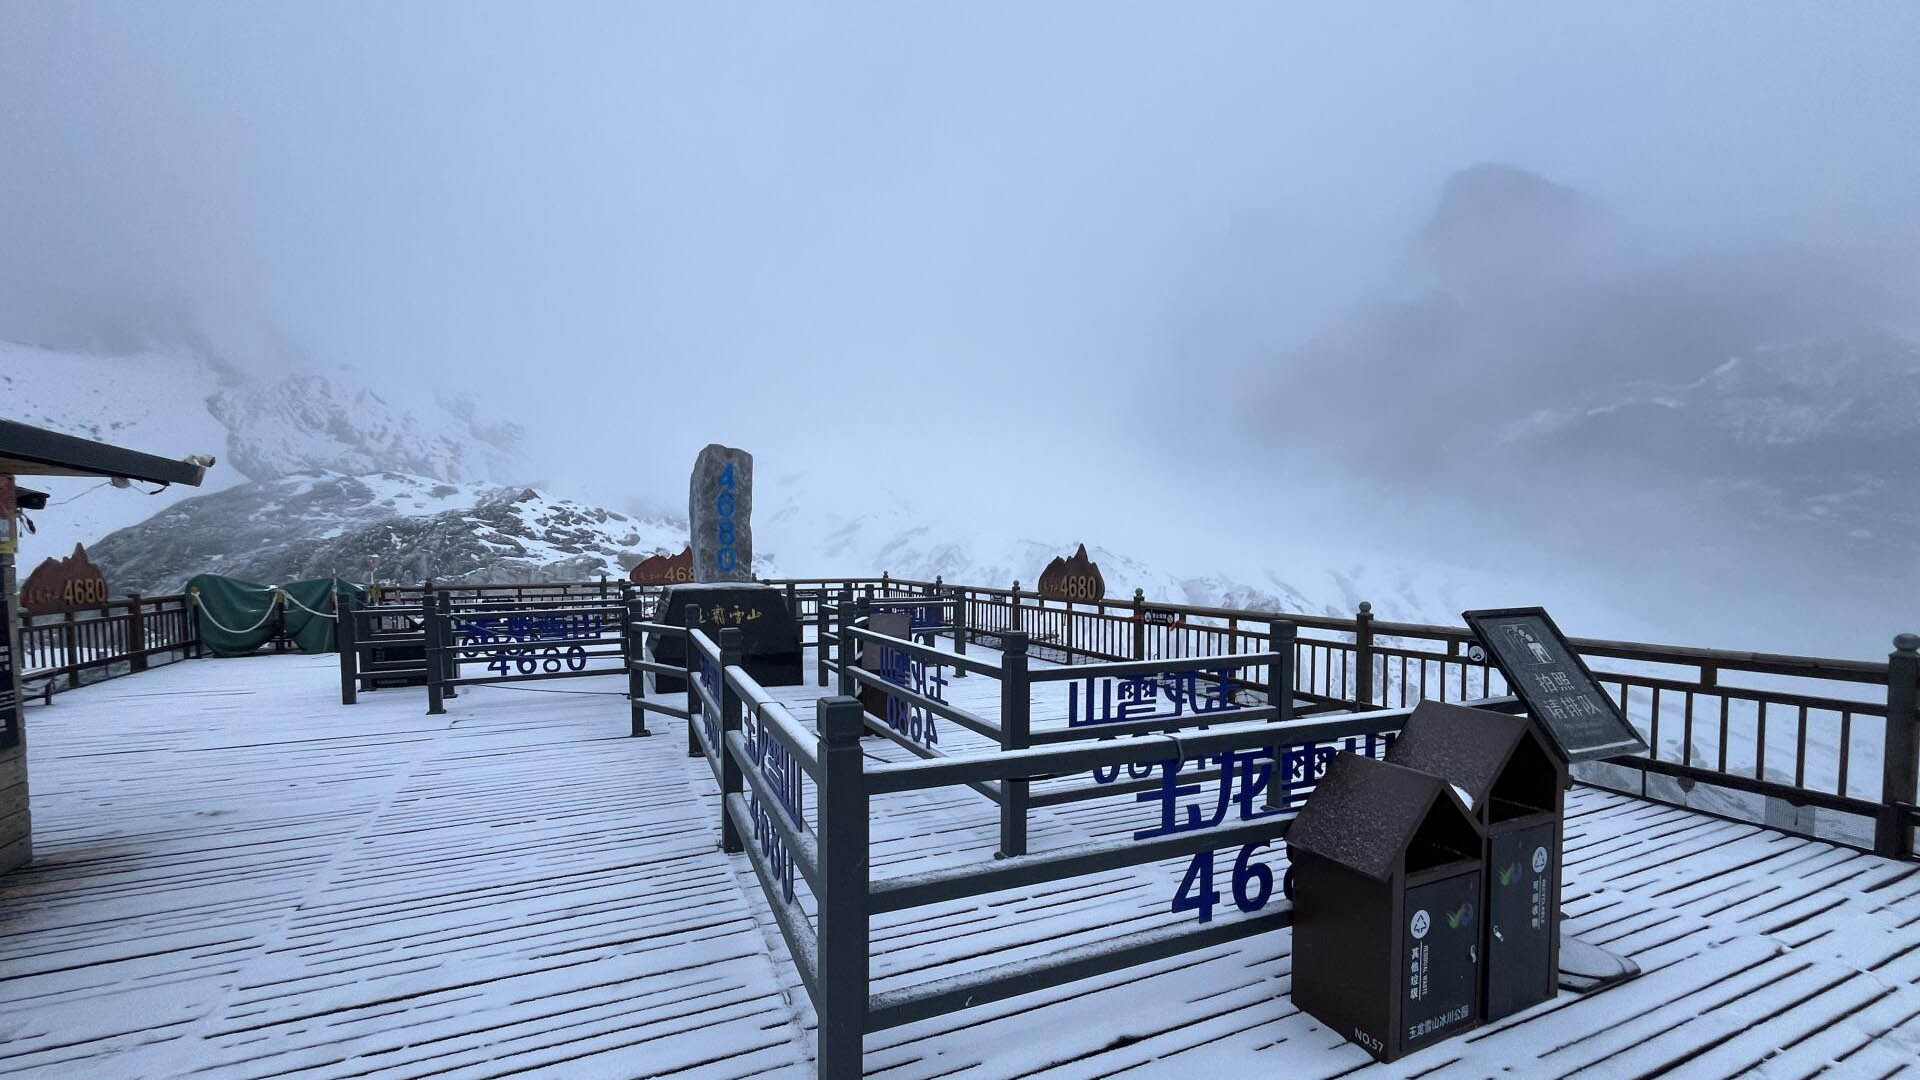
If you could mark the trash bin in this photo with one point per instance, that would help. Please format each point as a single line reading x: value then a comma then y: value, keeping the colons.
x: 1516, y: 786
x: 1386, y: 906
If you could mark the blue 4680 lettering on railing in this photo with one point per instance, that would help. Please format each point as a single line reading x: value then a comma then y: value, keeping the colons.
x: 724, y: 557
x: 783, y: 775
x: 1239, y: 780
x: 1096, y: 700
x: 913, y: 673
x: 710, y: 706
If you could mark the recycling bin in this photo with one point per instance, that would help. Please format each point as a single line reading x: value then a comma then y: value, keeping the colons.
x: 1517, y: 787
x: 1387, y: 906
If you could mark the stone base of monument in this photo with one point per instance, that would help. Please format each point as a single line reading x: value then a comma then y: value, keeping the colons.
x: 769, y: 634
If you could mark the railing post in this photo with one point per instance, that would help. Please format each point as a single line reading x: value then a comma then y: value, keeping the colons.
x: 1363, y: 655
x: 346, y: 638
x: 958, y: 594
x: 1280, y: 640
x: 451, y: 666
x: 694, y: 714
x: 793, y: 609
x: 1015, y: 700
x: 731, y: 782
x: 822, y: 629
x: 70, y: 643
x: 1892, y: 836
x: 847, y: 655
x: 435, y: 621
x: 630, y: 656
x: 136, y: 633
x: 842, y: 832
x: 1139, y: 624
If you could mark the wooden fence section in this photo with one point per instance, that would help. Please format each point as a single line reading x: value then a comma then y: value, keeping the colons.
x: 59, y: 652
x: 1811, y: 731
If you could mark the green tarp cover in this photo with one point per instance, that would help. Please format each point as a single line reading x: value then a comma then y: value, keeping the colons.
x: 237, y: 617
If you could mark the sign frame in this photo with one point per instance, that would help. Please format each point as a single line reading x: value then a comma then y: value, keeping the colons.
x: 1477, y: 622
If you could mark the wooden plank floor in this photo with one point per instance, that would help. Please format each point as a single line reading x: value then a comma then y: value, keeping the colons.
x: 239, y: 878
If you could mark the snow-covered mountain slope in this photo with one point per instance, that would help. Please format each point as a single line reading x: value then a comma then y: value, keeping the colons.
x: 175, y: 403
x: 304, y: 489
x: 382, y: 526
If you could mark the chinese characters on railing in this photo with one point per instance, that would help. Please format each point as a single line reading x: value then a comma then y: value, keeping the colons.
x: 1148, y: 697
x: 513, y: 643
x: 784, y: 776
x: 1201, y: 793
x: 928, y: 680
x: 710, y: 704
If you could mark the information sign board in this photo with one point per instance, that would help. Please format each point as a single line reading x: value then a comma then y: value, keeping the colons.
x: 1556, y: 686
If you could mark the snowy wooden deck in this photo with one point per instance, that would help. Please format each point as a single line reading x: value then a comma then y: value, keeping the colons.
x: 237, y: 877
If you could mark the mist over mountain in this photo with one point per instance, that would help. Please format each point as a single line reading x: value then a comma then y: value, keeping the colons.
x: 1557, y: 384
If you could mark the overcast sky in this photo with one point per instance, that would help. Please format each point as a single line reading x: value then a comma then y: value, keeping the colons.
x: 1058, y: 233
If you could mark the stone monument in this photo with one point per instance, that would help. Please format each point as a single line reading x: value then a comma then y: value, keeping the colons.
x: 720, y: 513
x: 724, y: 593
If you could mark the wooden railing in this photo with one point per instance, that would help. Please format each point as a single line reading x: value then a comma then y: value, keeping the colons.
x: 59, y: 652
x: 1811, y: 732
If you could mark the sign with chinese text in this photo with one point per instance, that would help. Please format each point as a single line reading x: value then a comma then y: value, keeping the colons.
x: 526, y: 644
x: 1167, y: 696
x: 663, y: 570
x: 9, y: 515
x: 769, y: 636
x: 1201, y: 793
x: 67, y: 584
x: 9, y: 700
x: 1549, y: 677
x: 1074, y: 578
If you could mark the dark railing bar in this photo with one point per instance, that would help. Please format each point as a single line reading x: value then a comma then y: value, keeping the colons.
x: 1127, y: 668
x: 802, y: 945
x: 942, y: 996
x: 1019, y: 871
x: 978, y: 724
x: 1238, y: 714
x: 800, y: 843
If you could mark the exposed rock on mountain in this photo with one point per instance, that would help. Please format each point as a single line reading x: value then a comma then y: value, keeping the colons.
x: 388, y: 526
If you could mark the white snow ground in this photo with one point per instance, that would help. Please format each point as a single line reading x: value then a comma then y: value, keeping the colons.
x: 236, y: 876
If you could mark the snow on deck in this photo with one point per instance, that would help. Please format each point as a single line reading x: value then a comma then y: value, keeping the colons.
x: 238, y: 877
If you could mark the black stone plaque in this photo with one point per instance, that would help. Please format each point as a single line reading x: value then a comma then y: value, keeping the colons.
x: 769, y: 635
x: 1549, y: 677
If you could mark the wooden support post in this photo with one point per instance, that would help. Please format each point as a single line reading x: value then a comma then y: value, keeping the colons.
x: 842, y: 900
x: 731, y: 781
x: 1363, y: 655
x: 1139, y: 624
x: 958, y: 594
x: 70, y: 642
x: 451, y: 667
x: 136, y: 632
x: 688, y: 617
x: 1015, y: 702
x: 1280, y: 641
x: 847, y: 655
x: 436, y: 637
x: 346, y: 638
x: 822, y: 629
x: 630, y: 654
x: 1892, y: 836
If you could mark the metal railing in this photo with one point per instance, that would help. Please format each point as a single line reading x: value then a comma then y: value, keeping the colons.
x: 814, y: 868
x: 1788, y: 728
